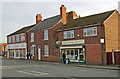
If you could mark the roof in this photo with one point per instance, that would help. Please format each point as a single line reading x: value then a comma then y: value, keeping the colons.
x: 22, y: 30
x: 47, y: 23
x: 87, y: 20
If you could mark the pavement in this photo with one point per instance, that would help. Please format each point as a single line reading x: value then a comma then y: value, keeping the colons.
x: 110, y: 67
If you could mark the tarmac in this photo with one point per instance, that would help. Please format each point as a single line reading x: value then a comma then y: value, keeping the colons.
x: 110, y: 67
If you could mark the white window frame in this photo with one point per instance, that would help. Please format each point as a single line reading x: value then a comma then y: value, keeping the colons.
x: 46, y: 51
x: 17, y: 38
x: 22, y: 38
x: 13, y: 39
x: 32, y: 37
x: 45, y: 34
x: 66, y: 34
x: 9, y: 39
x: 92, y: 29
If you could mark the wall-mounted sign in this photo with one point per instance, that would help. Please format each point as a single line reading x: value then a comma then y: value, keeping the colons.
x: 101, y: 40
x: 73, y: 42
x: 17, y: 46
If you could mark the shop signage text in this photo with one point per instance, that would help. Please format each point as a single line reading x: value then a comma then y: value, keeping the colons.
x: 17, y: 46
x: 73, y: 42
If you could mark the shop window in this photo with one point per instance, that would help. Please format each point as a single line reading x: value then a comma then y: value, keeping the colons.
x: 17, y: 53
x: 11, y: 53
x: 17, y: 38
x: 90, y: 31
x: 45, y: 34
x: 22, y: 52
x: 46, y: 50
x: 9, y: 39
x: 13, y: 39
x: 22, y: 37
x: 69, y: 34
x: 32, y: 37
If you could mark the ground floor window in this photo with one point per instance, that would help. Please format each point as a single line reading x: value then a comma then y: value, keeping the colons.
x: 74, y: 55
x: 17, y: 52
x: 22, y: 52
x: 32, y: 50
x: 11, y: 53
x: 46, y: 50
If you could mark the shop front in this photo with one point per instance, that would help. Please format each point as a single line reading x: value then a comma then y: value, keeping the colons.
x: 73, y: 50
x: 17, y: 51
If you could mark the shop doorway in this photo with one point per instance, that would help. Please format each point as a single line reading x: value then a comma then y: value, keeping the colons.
x: 39, y: 53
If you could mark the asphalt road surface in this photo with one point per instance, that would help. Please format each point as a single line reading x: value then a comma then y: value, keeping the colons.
x: 28, y: 68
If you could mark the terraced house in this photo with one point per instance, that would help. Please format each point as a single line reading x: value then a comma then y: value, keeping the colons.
x: 92, y: 39
x: 17, y: 43
x: 42, y: 37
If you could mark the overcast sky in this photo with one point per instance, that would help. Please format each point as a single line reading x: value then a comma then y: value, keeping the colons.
x: 20, y: 13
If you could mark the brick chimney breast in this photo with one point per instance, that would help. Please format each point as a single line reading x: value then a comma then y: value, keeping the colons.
x: 63, y: 13
x: 38, y: 18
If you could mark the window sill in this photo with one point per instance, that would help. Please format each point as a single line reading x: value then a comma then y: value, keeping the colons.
x: 31, y: 41
x: 68, y: 38
x: 45, y: 40
x: 46, y: 55
x: 90, y: 36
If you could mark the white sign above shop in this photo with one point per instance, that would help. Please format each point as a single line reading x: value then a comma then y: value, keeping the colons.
x: 17, y: 46
x: 73, y: 42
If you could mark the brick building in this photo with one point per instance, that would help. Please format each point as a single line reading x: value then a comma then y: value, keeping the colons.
x: 3, y: 48
x: 91, y: 39
x: 42, y: 38
x: 17, y: 43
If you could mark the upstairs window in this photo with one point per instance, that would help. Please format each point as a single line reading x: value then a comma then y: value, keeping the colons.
x: 69, y: 34
x: 45, y: 34
x: 22, y: 37
x: 32, y: 37
x: 13, y: 39
x: 9, y: 39
x: 90, y: 31
x: 17, y: 38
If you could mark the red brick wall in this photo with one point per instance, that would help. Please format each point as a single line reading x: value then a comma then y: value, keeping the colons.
x: 92, y: 44
x: 15, y: 39
x: 54, y: 54
x: 93, y: 54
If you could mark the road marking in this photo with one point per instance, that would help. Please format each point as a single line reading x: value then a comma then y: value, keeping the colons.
x: 23, y: 72
x: 33, y: 73
x: 100, y: 72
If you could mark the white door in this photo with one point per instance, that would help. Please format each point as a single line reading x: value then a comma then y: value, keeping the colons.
x: 39, y: 53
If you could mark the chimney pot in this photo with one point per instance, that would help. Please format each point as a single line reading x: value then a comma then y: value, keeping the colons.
x: 38, y: 18
x: 63, y: 13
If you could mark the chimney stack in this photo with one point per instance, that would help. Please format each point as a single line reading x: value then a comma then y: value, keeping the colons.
x: 63, y: 13
x: 38, y: 18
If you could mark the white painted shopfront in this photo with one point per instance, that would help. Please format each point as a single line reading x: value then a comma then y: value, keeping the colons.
x: 18, y: 50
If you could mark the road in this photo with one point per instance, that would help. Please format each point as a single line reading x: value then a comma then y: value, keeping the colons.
x: 28, y: 68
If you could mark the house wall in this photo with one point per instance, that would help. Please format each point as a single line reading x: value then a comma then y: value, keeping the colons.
x: 54, y: 53
x: 39, y: 41
x: 92, y: 44
x: 17, y: 43
x: 111, y: 32
x: 15, y: 39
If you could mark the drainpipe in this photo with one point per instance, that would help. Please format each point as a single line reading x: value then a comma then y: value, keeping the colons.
x: 113, y: 59
x: 102, y: 43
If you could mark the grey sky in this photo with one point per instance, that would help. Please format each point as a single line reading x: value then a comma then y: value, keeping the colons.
x: 16, y: 15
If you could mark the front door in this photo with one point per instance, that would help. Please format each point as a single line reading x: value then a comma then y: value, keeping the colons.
x: 39, y: 53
